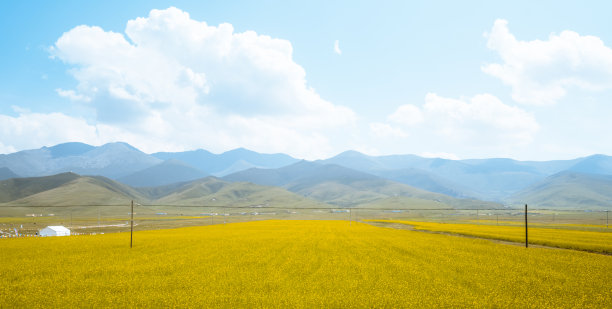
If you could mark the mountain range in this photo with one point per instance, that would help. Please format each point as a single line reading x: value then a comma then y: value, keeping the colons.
x: 349, y: 179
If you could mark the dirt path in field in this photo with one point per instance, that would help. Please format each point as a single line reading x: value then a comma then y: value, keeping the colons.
x: 400, y: 226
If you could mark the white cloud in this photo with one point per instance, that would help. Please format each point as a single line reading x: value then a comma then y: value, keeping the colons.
x: 407, y: 115
x: 386, y: 130
x: 541, y: 72
x: 174, y: 82
x: 72, y: 95
x: 32, y: 130
x: 481, y: 123
x: 6, y: 149
x: 484, y: 116
x: 337, y: 47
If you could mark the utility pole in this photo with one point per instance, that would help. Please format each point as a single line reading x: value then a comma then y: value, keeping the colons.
x: 132, y: 224
x: 526, y: 230
x: 349, y: 216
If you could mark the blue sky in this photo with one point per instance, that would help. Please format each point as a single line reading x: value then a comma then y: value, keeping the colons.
x: 523, y: 79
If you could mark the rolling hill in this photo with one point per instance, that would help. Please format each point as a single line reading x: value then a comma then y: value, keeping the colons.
x: 66, y: 189
x: 568, y: 190
x: 69, y: 189
x: 17, y: 188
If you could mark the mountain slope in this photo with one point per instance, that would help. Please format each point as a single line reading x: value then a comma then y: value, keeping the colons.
x: 111, y: 160
x: 568, y: 190
x: 69, y: 149
x: 212, y: 191
x: 6, y: 173
x: 596, y: 164
x: 490, y: 179
x: 167, y: 172
x: 17, y: 188
x: 66, y: 189
x: 274, y: 177
x: 427, y: 181
x: 339, y: 185
x: 227, y: 162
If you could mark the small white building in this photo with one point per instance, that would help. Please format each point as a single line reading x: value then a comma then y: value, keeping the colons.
x: 54, y: 230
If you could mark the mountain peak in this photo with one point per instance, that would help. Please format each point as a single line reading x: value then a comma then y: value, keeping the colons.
x: 350, y: 154
x: 69, y: 149
x: 595, y: 164
x: 120, y: 145
x: 240, y: 151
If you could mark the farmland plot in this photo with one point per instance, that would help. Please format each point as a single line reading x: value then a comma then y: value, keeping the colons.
x: 295, y: 264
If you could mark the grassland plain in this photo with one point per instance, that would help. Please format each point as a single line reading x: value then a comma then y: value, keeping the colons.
x: 556, y: 236
x: 296, y: 264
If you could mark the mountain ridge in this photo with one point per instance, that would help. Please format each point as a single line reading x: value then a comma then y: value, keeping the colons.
x: 495, y: 179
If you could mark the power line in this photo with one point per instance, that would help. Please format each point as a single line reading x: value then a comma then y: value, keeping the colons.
x: 259, y: 206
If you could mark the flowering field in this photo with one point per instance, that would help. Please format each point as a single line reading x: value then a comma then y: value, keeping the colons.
x: 600, y: 241
x: 295, y: 264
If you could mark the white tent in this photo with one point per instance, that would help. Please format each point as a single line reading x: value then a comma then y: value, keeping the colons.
x: 55, y: 230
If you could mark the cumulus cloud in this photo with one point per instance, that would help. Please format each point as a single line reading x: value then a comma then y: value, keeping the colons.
x: 483, y: 116
x: 386, y: 130
x: 6, y: 149
x: 31, y: 130
x: 337, y: 47
x: 173, y: 80
x: 407, y: 115
x: 481, y: 122
x: 72, y: 95
x: 542, y: 71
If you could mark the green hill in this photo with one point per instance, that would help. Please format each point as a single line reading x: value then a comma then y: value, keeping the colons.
x: 17, y: 188
x: 71, y: 189
x: 568, y: 190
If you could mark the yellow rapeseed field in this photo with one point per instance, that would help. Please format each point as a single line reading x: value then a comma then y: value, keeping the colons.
x: 555, y: 237
x: 293, y: 264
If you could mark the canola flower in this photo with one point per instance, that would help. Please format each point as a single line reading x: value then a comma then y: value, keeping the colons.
x: 296, y: 264
x: 554, y: 237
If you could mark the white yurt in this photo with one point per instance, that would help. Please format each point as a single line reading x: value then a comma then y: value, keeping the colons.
x: 55, y: 230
